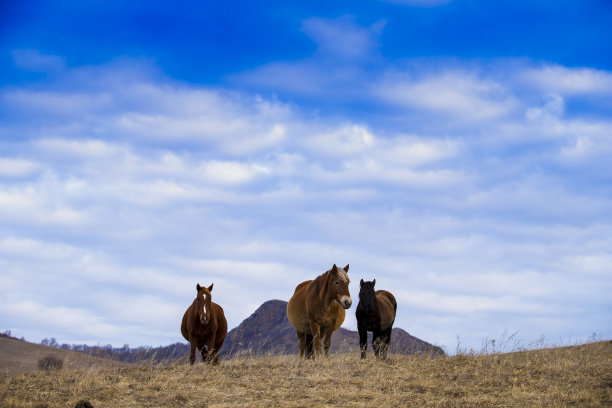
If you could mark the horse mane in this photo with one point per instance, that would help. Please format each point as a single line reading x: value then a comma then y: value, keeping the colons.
x: 341, y: 274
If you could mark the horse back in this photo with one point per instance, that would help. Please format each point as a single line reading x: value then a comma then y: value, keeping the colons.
x: 302, y: 286
x: 387, y: 308
x: 296, y: 308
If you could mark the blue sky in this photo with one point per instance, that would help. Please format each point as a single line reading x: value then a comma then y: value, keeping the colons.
x: 457, y: 151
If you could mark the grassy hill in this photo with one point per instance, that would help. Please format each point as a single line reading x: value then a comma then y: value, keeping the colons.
x: 578, y: 376
x: 18, y: 356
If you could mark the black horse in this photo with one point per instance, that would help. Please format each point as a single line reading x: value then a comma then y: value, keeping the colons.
x: 376, y: 313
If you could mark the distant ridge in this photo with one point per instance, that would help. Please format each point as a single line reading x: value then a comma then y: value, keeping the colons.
x: 19, y: 357
x: 268, y: 331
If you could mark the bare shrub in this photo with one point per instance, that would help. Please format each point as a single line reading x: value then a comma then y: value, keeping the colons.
x: 50, y: 363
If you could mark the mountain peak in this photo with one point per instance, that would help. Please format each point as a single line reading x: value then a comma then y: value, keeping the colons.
x: 268, y: 331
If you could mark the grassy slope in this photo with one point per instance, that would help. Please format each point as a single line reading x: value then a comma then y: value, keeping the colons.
x: 18, y: 357
x: 578, y: 376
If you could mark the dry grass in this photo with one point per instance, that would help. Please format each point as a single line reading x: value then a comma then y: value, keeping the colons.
x: 579, y: 376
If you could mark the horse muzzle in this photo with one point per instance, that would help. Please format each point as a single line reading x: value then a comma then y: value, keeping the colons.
x: 346, y: 302
x: 204, y: 320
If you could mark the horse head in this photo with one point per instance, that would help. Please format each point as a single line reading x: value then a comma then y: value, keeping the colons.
x: 367, y: 295
x: 204, y: 303
x: 338, y: 283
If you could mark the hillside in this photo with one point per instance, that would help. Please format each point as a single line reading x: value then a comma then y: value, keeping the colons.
x: 18, y: 356
x: 268, y: 331
x: 579, y: 376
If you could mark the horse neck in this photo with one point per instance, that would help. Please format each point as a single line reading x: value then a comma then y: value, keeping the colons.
x: 323, y: 292
x: 375, y: 306
x: 194, y: 309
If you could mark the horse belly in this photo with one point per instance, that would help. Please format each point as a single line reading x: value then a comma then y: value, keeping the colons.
x: 340, y: 315
x: 369, y: 322
x: 296, y: 309
x: 184, y: 330
x: 221, y: 331
x: 386, y: 311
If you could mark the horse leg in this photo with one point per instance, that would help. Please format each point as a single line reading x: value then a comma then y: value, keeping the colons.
x: 192, y: 349
x: 315, y: 329
x: 387, y: 342
x: 301, y: 342
x: 376, y: 340
x: 211, y: 355
x: 326, y: 341
x: 363, y: 340
x: 309, y: 345
x: 216, y: 349
x: 194, y: 344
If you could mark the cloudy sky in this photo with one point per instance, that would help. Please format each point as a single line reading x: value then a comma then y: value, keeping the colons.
x: 457, y: 151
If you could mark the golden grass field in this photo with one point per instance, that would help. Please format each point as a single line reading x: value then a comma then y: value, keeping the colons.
x: 577, y: 376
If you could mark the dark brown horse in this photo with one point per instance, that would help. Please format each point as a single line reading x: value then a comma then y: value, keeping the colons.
x: 204, y: 326
x: 316, y: 309
x: 376, y: 313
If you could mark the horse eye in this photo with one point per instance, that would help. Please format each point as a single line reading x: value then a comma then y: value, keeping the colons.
x: 337, y: 283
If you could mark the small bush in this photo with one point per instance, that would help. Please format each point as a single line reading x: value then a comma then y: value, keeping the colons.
x: 50, y: 363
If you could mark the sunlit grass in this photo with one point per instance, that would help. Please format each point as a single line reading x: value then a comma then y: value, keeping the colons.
x: 578, y: 376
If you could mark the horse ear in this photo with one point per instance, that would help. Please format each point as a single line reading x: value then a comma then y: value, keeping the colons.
x: 198, y: 287
x: 361, y: 283
x: 333, y: 271
x: 374, y: 282
x: 346, y: 268
x: 210, y: 287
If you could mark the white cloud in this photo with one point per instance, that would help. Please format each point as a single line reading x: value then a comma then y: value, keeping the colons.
x: 415, y: 151
x: 342, y: 141
x: 457, y: 94
x: 10, y: 167
x: 33, y: 60
x: 31, y: 207
x: 58, y: 103
x: 84, y: 149
x: 53, y: 318
x: 554, y: 106
x: 588, y: 143
x: 568, y: 81
x: 137, y: 189
x: 232, y: 173
x: 342, y: 38
x: 32, y: 249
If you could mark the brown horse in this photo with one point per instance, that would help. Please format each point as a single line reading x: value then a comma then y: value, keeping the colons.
x: 376, y: 313
x: 316, y: 309
x: 204, y: 326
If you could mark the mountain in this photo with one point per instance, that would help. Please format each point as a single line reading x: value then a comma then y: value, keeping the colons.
x: 268, y: 331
